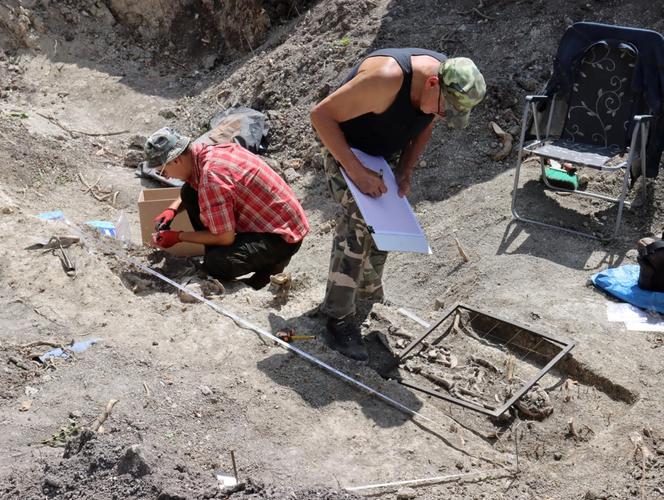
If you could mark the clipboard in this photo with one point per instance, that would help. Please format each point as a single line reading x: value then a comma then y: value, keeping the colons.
x: 390, y: 218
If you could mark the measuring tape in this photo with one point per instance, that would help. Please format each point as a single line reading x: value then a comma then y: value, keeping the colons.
x: 245, y: 324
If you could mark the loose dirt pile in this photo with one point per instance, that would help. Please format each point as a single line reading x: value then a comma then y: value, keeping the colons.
x: 83, y: 82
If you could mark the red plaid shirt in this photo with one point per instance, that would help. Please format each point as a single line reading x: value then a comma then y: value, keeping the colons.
x: 239, y: 192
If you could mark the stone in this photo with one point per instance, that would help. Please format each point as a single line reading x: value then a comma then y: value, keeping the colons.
x: 133, y: 158
x: 406, y: 494
x: 133, y: 462
x: 137, y: 142
x: 52, y: 482
x: 291, y: 175
x: 167, y: 113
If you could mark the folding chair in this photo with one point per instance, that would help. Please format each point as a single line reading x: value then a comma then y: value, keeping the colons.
x: 602, y: 119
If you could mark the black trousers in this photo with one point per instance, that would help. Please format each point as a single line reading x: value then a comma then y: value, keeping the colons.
x: 260, y: 253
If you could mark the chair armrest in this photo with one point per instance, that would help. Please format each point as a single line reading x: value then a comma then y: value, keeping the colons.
x: 643, y: 118
x: 537, y: 98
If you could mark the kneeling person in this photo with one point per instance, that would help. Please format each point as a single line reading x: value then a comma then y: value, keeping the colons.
x: 247, y: 217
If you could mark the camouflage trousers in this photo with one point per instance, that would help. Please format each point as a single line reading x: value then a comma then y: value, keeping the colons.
x: 356, y: 265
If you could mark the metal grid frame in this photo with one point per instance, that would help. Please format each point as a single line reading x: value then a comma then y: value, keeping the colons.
x: 565, y: 346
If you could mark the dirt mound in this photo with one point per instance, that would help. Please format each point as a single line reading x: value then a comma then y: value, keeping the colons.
x: 107, y: 466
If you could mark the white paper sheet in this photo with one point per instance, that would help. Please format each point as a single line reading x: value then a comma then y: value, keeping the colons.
x: 391, y: 219
x: 635, y: 319
x: 622, y: 311
x: 645, y: 327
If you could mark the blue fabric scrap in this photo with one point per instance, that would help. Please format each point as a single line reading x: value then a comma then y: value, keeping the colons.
x: 54, y: 215
x: 622, y: 282
x: 104, y: 227
x: 78, y: 347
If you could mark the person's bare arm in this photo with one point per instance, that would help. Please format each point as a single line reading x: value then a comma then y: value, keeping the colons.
x: 371, y: 91
x: 176, y: 204
x: 205, y: 237
x: 409, y: 157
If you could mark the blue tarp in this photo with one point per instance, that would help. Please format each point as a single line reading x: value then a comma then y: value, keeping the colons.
x: 622, y: 282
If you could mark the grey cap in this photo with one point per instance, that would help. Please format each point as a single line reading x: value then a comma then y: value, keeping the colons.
x: 164, y: 146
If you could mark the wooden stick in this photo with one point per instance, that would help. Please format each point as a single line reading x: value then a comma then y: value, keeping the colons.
x: 73, y: 131
x: 47, y: 343
x: 96, y: 424
x: 461, y: 251
x: 483, y: 476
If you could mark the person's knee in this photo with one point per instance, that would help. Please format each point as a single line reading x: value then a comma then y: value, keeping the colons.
x: 218, y: 266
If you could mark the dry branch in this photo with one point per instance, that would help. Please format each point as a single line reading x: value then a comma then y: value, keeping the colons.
x: 96, y: 424
x: 461, y: 251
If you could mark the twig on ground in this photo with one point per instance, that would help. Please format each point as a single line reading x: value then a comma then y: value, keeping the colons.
x: 102, y: 195
x: 76, y: 443
x: 73, y: 132
x: 476, y: 10
x: 96, y: 424
x: 461, y: 251
x: 57, y: 345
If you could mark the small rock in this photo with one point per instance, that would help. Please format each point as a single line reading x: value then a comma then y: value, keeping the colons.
x: 133, y: 462
x: 291, y: 175
x: 459, y: 465
x: 137, y: 142
x: 167, y: 113
x: 209, y: 61
x: 133, y: 158
x: 206, y: 390
x: 51, y: 482
x: 325, y: 227
x: 406, y: 494
x: 324, y: 91
x: 660, y: 449
x: 593, y: 495
x: 30, y: 391
x: 557, y: 455
x: 273, y: 164
x: 632, y: 254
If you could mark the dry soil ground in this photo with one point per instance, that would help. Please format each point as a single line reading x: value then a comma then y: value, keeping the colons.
x: 77, y: 85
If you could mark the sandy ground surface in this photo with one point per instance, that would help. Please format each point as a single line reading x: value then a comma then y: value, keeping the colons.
x: 192, y: 385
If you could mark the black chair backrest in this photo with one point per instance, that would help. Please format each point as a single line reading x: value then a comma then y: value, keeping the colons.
x: 601, y: 101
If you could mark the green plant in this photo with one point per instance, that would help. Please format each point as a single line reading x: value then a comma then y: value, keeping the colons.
x: 344, y: 42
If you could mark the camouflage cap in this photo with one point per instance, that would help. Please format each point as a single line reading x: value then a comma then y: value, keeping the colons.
x: 164, y: 146
x: 463, y: 87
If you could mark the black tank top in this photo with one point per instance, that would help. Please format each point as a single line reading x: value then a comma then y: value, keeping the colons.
x: 390, y: 131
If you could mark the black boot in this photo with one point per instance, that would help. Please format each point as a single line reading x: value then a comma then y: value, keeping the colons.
x: 346, y: 338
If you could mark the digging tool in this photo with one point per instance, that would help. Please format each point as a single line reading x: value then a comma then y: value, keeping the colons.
x: 289, y: 335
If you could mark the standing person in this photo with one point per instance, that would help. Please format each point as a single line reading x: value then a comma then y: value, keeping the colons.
x: 385, y: 107
x: 247, y: 217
